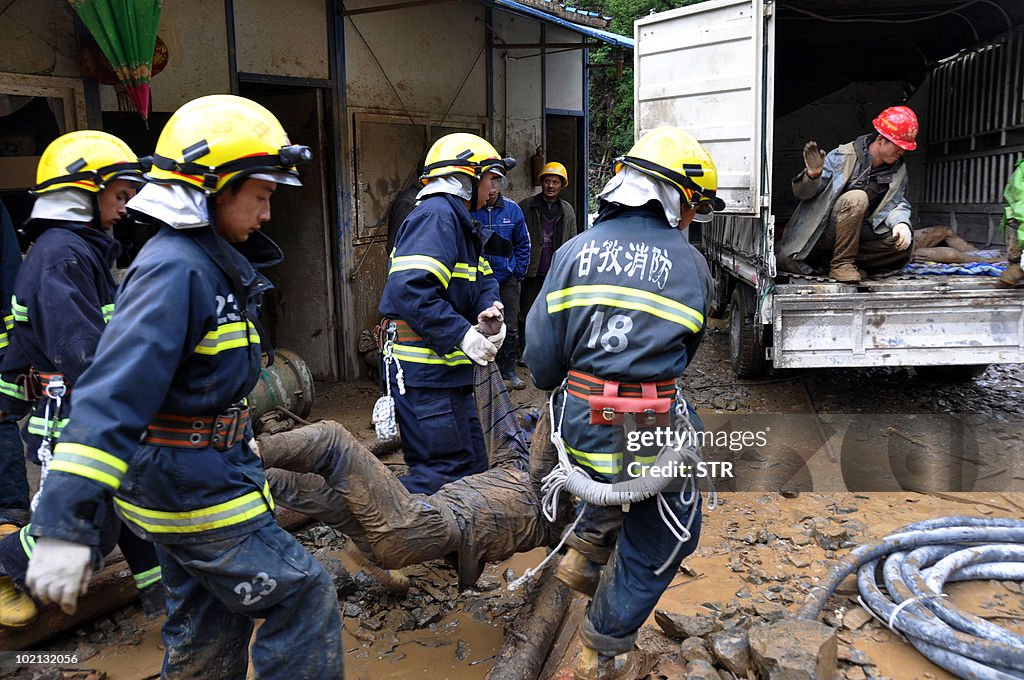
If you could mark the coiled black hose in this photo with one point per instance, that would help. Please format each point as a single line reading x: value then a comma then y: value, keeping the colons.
x: 918, y: 560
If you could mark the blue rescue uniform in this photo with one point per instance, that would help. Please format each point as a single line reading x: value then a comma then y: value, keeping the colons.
x: 63, y: 298
x: 623, y: 305
x: 437, y: 284
x: 171, y: 370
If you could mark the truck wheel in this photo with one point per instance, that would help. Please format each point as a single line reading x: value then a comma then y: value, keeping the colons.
x: 951, y: 374
x: 745, y: 350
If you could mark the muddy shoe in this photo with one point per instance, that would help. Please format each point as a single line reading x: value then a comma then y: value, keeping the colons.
x: 845, y: 273
x: 595, y: 666
x: 152, y: 600
x: 17, y: 609
x: 1011, y: 275
x: 514, y: 382
x: 578, y: 572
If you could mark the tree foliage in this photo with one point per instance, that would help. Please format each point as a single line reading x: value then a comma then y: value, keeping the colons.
x: 611, y: 85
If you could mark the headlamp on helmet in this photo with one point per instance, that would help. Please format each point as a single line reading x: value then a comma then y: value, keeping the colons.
x: 213, y: 141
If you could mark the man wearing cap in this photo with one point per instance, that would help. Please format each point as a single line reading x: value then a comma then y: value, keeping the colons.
x: 508, y: 252
x: 853, y: 215
x: 550, y: 222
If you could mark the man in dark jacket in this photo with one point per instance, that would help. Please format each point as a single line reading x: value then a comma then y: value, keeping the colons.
x: 160, y: 423
x: 440, y: 304
x: 14, y: 511
x: 508, y: 252
x: 550, y: 222
x: 63, y: 297
x: 619, y: 318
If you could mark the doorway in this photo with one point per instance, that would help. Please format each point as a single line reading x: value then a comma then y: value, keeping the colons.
x: 300, y: 314
x: 565, y: 145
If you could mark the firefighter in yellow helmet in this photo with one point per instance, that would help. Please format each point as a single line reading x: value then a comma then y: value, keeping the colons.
x: 160, y: 421
x: 442, y: 312
x: 62, y: 298
x: 620, y: 316
x: 550, y: 222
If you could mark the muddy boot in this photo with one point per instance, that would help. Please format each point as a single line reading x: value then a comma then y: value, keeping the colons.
x: 151, y: 598
x: 1013, y: 273
x: 578, y: 572
x: 593, y: 665
x: 17, y: 609
x: 845, y: 272
x: 393, y: 580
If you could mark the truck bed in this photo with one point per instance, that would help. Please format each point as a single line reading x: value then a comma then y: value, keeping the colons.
x: 920, y: 321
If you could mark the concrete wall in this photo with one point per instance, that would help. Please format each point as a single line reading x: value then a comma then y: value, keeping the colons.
x: 282, y: 38
x: 565, y: 72
x: 426, y: 53
x: 39, y: 38
x: 518, y: 125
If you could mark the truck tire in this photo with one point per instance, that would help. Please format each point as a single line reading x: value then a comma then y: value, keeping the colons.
x: 745, y: 349
x: 951, y: 374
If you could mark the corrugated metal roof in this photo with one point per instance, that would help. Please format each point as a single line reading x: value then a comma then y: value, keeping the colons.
x: 596, y: 33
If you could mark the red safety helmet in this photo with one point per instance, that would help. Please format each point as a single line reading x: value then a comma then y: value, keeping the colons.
x: 898, y: 124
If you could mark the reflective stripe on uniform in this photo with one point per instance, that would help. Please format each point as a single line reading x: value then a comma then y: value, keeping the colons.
x: 107, y: 311
x: 425, y: 355
x: 12, y: 390
x: 625, y: 298
x: 91, y: 463
x: 9, y: 322
x: 19, y: 311
x: 37, y: 426
x: 225, y: 514
x: 485, y: 267
x: 28, y: 543
x: 424, y: 263
x: 228, y: 336
x: 605, y: 463
x: 3, y: 339
x: 147, y: 578
x: 464, y: 271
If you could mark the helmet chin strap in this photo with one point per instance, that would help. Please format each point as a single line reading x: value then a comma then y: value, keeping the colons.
x: 474, y: 195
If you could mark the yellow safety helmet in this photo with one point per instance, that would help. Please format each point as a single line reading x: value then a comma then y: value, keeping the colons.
x: 212, y: 141
x: 674, y: 156
x: 462, y: 153
x: 86, y: 160
x: 556, y: 169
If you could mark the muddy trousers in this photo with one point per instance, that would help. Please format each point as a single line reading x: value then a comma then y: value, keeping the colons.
x: 329, y: 475
x: 216, y: 591
x: 441, y: 435
x: 13, y: 480
x: 842, y: 235
x: 629, y: 589
x: 16, y: 551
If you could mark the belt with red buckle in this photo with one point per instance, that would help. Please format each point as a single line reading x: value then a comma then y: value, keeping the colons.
x: 610, y: 400
x: 199, y: 432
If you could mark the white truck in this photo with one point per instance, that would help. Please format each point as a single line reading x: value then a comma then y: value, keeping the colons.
x: 753, y: 80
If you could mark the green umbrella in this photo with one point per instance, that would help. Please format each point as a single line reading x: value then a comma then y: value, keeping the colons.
x: 126, y: 32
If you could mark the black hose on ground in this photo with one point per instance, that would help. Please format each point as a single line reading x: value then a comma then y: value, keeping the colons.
x: 916, y: 562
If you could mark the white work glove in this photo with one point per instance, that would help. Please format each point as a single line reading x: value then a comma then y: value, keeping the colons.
x: 498, y: 338
x: 477, y: 347
x: 59, y: 572
x: 901, y: 232
x: 814, y: 159
x: 254, y: 446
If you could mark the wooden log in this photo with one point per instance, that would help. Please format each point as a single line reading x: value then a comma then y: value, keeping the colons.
x: 112, y: 589
x: 109, y: 591
x: 534, y: 629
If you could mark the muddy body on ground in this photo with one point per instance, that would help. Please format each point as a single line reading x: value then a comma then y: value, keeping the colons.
x: 761, y: 551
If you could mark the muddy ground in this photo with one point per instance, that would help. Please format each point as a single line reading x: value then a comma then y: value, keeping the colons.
x: 843, y: 445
